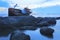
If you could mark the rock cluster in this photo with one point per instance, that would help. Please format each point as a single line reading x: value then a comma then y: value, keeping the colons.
x: 11, y: 23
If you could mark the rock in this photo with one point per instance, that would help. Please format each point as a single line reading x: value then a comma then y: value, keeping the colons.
x: 18, y: 21
x: 18, y: 35
x: 18, y: 12
x: 26, y: 22
x: 28, y: 28
x: 48, y: 32
x: 47, y: 22
x: 57, y: 18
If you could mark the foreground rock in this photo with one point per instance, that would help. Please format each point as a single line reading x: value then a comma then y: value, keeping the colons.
x: 25, y: 22
x: 48, y: 32
x: 18, y: 35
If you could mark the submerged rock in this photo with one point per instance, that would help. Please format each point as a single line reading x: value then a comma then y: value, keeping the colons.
x: 48, y: 32
x: 18, y: 35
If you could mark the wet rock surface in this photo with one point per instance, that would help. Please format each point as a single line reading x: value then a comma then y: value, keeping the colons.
x: 48, y: 32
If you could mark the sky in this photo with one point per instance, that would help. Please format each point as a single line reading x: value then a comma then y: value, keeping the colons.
x: 46, y: 5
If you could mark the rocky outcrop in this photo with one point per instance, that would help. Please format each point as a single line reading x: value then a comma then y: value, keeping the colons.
x: 25, y: 22
x: 11, y: 23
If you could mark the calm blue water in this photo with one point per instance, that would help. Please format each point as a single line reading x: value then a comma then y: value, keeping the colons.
x: 35, y: 35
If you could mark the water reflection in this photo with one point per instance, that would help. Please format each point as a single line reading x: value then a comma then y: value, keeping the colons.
x: 48, y: 32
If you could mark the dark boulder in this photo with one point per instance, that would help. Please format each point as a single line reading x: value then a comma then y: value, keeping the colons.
x: 18, y: 35
x: 48, y: 32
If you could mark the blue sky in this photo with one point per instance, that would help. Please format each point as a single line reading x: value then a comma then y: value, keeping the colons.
x: 3, y: 4
x: 47, y: 11
x: 39, y: 7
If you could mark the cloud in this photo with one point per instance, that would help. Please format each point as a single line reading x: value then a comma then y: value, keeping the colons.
x: 51, y: 3
x: 33, y: 3
x: 29, y: 3
x: 25, y: 3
